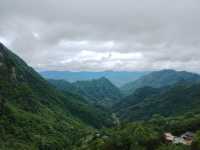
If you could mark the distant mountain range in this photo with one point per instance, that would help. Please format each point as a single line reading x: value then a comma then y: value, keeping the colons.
x: 159, y: 79
x: 118, y: 78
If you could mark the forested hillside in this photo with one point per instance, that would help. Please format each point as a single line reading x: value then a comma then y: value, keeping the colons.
x: 158, y: 79
x: 167, y: 101
x: 100, y: 91
x: 35, y: 115
x: 65, y: 86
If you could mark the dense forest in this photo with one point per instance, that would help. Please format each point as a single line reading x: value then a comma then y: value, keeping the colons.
x: 34, y: 114
x: 158, y: 79
x: 98, y: 91
x: 40, y: 114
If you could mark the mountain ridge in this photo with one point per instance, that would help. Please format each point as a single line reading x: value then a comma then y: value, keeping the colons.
x: 116, y: 77
x: 160, y: 79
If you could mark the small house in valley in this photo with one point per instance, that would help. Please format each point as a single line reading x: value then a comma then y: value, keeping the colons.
x: 185, y: 138
x: 188, y: 137
x: 169, y: 138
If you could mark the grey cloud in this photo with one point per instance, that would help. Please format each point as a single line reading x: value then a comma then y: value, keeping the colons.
x: 44, y: 33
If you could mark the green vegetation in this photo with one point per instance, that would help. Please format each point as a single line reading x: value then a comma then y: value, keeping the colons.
x: 65, y: 86
x: 145, y: 135
x: 168, y: 101
x: 158, y: 79
x: 100, y: 91
x: 34, y: 115
x: 97, y: 91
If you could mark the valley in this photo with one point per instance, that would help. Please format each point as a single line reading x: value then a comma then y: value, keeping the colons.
x: 95, y: 114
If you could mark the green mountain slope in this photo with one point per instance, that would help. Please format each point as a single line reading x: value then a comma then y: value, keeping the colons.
x: 100, y: 91
x: 168, y: 101
x: 34, y: 114
x: 65, y: 86
x: 98, y: 116
x: 159, y: 79
x: 137, y: 97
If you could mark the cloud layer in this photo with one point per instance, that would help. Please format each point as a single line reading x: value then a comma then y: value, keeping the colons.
x: 103, y: 35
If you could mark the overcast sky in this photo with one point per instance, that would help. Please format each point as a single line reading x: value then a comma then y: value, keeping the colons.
x: 100, y: 35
